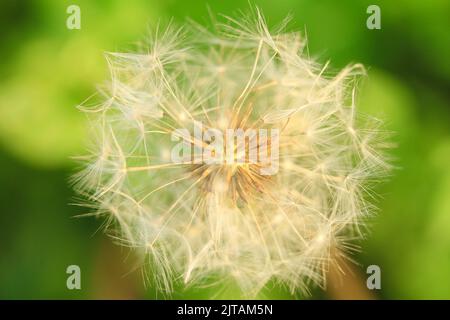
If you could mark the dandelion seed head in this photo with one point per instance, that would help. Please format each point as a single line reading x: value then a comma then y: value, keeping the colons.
x: 193, y: 220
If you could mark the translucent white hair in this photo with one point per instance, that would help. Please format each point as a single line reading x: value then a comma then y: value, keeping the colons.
x: 192, y: 222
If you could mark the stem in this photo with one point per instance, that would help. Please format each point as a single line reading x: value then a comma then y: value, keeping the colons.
x: 346, y: 282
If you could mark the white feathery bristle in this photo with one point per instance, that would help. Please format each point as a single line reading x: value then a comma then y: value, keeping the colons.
x: 197, y: 220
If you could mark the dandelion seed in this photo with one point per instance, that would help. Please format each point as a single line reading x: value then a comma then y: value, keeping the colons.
x: 194, y: 219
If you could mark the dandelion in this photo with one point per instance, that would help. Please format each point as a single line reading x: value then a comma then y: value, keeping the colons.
x: 193, y: 219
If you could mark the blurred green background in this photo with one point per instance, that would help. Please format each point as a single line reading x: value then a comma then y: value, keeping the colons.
x: 46, y: 70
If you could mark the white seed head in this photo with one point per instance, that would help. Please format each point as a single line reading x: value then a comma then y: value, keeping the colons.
x: 197, y: 220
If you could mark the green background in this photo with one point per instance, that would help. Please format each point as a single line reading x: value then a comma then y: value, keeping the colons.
x: 46, y: 70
